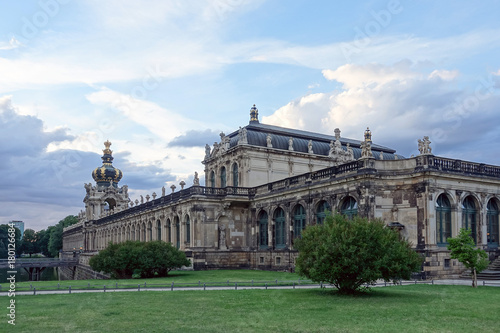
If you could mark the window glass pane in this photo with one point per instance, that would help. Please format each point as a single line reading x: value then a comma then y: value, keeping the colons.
x: 223, y: 177
x: 492, y: 221
x: 349, y: 207
x: 443, y: 220
x: 279, y: 220
x: 299, y: 221
x: 263, y: 239
x: 235, y: 175
x: 323, y: 207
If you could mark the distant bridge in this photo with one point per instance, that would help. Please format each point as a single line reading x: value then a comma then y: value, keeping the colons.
x: 35, y: 266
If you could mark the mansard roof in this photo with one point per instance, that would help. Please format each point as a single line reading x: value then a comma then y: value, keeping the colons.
x: 257, y: 136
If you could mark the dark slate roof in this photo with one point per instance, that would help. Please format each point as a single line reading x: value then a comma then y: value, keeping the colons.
x: 257, y: 136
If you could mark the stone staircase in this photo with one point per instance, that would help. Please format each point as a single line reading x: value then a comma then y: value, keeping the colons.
x: 491, y: 273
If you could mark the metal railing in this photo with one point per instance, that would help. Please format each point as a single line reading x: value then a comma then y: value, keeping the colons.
x: 225, y: 285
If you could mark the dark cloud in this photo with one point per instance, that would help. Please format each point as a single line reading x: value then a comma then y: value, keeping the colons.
x: 24, y: 135
x: 195, y: 138
x: 43, y: 187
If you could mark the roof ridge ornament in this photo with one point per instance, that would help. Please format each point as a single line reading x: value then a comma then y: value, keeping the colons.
x: 254, y: 115
x: 368, y: 135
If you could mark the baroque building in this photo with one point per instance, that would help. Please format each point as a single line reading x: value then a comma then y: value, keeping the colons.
x: 265, y: 184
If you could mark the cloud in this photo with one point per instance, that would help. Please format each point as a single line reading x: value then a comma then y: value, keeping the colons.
x: 444, y: 74
x: 352, y: 76
x: 194, y: 138
x: 33, y: 139
x: 159, y: 121
x: 37, y: 178
x: 12, y: 44
x: 400, y: 105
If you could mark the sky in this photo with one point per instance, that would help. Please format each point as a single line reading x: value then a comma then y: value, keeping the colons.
x: 160, y: 79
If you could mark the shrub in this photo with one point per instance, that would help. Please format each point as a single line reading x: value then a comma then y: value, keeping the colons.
x: 351, y: 253
x: 134, y: 258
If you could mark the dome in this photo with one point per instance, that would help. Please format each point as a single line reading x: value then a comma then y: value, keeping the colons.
x: 107, y: 174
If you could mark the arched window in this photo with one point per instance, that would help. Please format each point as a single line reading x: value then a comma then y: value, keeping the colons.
x: 188, y: 230
x: 169, y: 231
x: 177, y: 233
x: 279, y: 230
x: 321, y: 211
x: 143, y: 232
x: 212, y: 179
x: 469, y: 216
x: 150, y: 232
x: 158, y: 230
x: 349, y: 207
x: 235, y: 175
x: 263, y: 231
x: 299, y: 220
x: 132, y: 233
x: 492, y: 223
x: 443, y: 220
x: 223, y: 177
x: 110, y: 203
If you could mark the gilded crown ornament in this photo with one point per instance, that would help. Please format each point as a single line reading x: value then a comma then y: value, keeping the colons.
x: 107, y: 175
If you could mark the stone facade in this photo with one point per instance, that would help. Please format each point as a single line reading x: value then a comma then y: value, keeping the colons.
x: 266, y: 183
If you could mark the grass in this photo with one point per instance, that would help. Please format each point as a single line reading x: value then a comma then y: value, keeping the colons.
x: 411, y: 308
x: 180, y: 278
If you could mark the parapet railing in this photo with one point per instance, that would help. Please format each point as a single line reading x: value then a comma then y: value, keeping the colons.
x: 210, y: 192
x: 309, y: 177
x: 464, y: 167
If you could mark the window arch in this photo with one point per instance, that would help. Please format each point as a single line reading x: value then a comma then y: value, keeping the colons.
x: 212, y: 179
x: 492, y: 223
x: 188, y: 230
x: 349, y: 207
x: 321, y: 211
x: 223, y: 177
x: 110, y: 203
x: 263, y: 230
x: 158, y: 230
x: 443, y: 220
x: 279, y: 229
x: 235, y: 175
x: 299, y: 220
x: 469, y: 216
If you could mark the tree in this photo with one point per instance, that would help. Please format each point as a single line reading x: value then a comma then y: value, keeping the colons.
x: 55, y: 241
x: 463, y: 248
x: 351, y: 253
x: 4, y: 241
x: 42, y: 240
x: 29, y: 242
x: 148, y: 259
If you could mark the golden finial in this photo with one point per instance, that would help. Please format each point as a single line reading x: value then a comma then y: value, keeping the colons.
x: 368, y: 135
x: 254, y: 114
x: 107, y: 144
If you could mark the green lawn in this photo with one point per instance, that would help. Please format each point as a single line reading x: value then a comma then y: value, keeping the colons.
x: 180, y: 278
x: 412, y: 308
